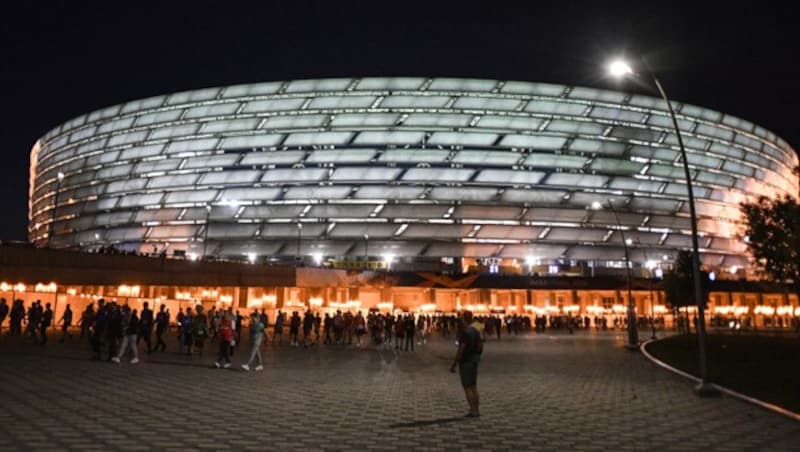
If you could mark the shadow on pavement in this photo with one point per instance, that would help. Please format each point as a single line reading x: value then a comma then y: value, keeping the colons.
x: 444, y: 420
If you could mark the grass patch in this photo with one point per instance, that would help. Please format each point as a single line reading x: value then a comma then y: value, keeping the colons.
x: 764, y: 367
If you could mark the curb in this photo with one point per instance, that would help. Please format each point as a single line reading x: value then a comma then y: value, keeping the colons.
x: 760, y: 403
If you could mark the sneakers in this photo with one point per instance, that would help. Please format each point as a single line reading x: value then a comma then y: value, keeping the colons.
x: 216, y: 364
x: 133, y: 361
x: 114, y: 359
x: 259, y: 367
x: 246, y: 367
x: 227, y: 365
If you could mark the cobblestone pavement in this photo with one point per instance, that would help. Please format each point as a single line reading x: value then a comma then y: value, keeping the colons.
x: 543, y: 392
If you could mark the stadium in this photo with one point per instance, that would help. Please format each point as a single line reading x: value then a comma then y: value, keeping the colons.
x: 405, y: 173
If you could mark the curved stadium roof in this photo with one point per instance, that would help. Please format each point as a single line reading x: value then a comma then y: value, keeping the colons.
x: 414, y: 167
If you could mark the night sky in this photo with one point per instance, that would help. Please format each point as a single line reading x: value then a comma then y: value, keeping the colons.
x: 59, y: 61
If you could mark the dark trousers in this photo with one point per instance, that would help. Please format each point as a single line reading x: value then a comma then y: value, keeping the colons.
x: 16, y: 327
x: 97, y: 344
x: 224, y: 352
x: 43, y: 334
x: 145, y: 334
x: 160, y: 340
x: 410, y: 340
x: 112, y: 346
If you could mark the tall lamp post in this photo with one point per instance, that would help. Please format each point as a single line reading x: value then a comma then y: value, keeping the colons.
x: 59, y: 177
x: 651, y: 265
x: 621, y: 69
x: 205, y: 232
x: 633, y: 332
x: 299, y: 238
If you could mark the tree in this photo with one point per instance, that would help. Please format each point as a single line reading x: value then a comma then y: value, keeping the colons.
x: 773, y: 236
x: 679, y: 286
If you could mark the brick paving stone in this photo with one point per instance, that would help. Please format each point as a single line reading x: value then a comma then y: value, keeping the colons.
x: 544, y: 392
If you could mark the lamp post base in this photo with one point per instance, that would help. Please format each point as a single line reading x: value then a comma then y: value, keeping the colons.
x: 705, y: 389
x: 632, y: 347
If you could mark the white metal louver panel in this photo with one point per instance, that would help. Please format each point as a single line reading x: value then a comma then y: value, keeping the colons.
x: 211, y: 161
x: 273, y: 211
x: 318, y: 138
x: 438, y: 231
x: 464, y: 194
x: 230, y: 125
x: 495, y: 232
x: 356, y: 174
x: 509, y: 177
x: 487, y: 212
x: 340, y: 211
x: 341, y: 156
x: 414, y: 155
x: 295, y: 175
x: 357, y: 231
x: 496, y: 158
x: 272, y: 157
x: 310, y: 192
x: 295, y: 122
x: 414, y: 211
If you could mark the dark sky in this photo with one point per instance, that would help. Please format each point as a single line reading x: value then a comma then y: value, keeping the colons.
x: 62, y: 60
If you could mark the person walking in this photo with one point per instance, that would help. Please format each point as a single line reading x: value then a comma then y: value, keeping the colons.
x: 308, y: 325
x: 45, y: 322
x: 327, y: 326
x: 130, y: 324
x: 15, y: 318
x: 3, y: 313
x: 97, y: 329
x: 470, y: 348
x: 294, y: 328
x: 278, y: 334
x: 146, y: 327
x: 360, y: 327
x: 410, y: 331
x: 256, y: 336
x: 66, y: 322
x: 87, y: 319
x: 115, y: 330
x: 225, y: 338
x: 399, y: 332
x: 162, y: 323
x: 186, y: 331
x: 199, y: 329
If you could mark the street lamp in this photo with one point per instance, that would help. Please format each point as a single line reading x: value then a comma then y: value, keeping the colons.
x: 622, y: 69
x: 226, y: 203
x: 59, y: 177
x: 297, y: 257
x: 633, y: 332
x: 651, y: 265
x: 205, y: 233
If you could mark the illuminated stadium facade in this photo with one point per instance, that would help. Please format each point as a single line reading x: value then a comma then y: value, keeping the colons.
x: 415, y: 171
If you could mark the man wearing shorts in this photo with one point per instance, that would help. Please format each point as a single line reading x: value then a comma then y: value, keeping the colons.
x: 470, y: 347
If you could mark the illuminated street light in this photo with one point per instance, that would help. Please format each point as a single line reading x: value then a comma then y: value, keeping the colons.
x: 620, y: 69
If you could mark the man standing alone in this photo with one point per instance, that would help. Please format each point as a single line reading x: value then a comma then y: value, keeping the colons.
x: 470, y: 347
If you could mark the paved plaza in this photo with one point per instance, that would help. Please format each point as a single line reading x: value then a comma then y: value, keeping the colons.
x: 543, y: 392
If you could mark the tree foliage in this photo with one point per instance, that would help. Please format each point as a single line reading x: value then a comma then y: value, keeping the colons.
x: 679, y: 283
x: 773, y: 236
